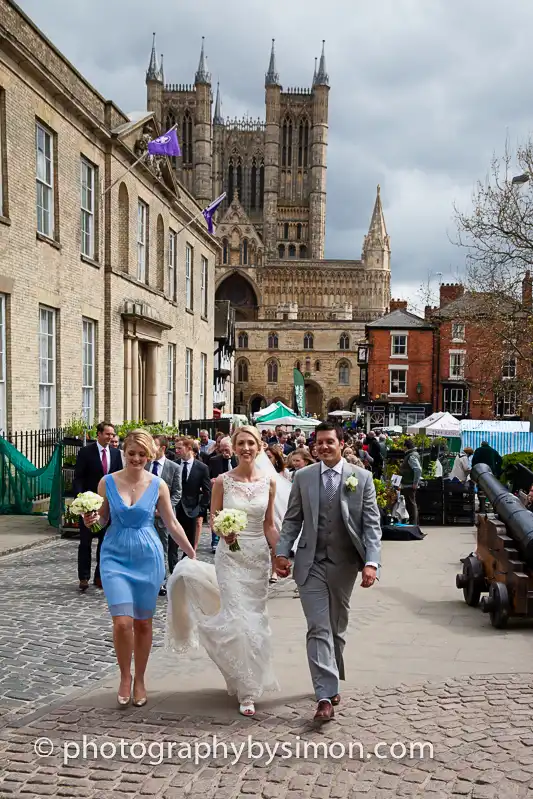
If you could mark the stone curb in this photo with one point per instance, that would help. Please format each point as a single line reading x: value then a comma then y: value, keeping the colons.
x: 33, y: 545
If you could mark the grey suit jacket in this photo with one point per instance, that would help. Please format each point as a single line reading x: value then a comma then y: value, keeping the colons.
x: 171, y: 474
x: 359, y: 509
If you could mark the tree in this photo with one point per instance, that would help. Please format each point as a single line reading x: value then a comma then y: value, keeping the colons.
x: 497, y: 234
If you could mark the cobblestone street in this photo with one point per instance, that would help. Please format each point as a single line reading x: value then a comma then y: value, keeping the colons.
x: 475, y: 729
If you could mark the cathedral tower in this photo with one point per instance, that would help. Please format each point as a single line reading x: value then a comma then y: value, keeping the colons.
x: 202, y: 134
x: 319, y: 143
x: 272, y: 148
x: 376, y: 246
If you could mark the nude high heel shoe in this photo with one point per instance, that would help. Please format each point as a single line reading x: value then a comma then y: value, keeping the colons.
x: 123, y: 701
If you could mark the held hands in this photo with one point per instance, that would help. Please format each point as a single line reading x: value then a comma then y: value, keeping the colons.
x: 282, y: 566
x: 230, y: 539
x: 369, y: 576
x: 91, y: 518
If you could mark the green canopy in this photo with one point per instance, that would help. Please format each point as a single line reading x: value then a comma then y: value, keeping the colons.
x: 277, y: 411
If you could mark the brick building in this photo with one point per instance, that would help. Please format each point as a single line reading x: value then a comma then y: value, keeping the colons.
x: 476, y: 376
x: 106, y: 307
x: 397, y: 366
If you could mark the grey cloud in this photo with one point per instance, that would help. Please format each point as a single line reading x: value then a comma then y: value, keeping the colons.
x: 422, y: 94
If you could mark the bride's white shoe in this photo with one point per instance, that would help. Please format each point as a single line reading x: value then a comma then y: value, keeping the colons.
x: 247, y: 708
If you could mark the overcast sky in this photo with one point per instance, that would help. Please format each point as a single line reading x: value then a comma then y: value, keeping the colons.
x: 422, y: 93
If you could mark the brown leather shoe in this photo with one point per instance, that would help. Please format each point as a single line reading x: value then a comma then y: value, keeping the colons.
x: 97, y: 581
x: 324, y: 712
x: 336, y: 700
x: 84, y: 585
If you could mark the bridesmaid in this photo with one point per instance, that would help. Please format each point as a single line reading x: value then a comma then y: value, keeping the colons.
x: 131, y: 561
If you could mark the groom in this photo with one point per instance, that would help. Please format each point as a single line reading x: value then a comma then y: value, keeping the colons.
x: 336, y: 503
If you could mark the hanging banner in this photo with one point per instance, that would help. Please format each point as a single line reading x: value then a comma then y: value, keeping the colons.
x: 299, y: 392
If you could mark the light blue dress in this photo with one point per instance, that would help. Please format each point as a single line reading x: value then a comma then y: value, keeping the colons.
x: 132, y: 564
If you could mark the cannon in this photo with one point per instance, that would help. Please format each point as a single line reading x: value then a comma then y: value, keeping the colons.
x: 502, y: 564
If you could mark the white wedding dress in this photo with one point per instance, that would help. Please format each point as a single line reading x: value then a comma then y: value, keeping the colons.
x: 223, y: 607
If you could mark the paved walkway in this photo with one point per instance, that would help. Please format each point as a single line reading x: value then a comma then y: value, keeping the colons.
x: 24, y: 532
x: 422, y: 668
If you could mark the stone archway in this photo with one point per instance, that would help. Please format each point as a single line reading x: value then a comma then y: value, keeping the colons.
x: 257, y: 403
x: 335, y: 404
x: 240, y: 292
x: 314, y: 398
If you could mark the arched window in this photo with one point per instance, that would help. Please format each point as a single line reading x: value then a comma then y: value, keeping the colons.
x: 273, y: 341
x: 225, y: 251
x: 239, y: 179
x: 317, y: 366
x: 308, y: 365
x: 244, y: 252
x: 303, y: 251
x: 286, y: 150
x: 272, y: 371
x: 298, y: 231
x: 303, y: 143
x: 281, y: 251
x: 292, y: 251
x: 231, y: 180
x: 298, y: 365
x: 344, y: 342
x: 344, y: 373
x: 242, y: 371
x: 261, y: 183
x: 286, y: 230
x: 243, y: 341
x: 186, y: 139
x: 253, y: 185
x: 308, y: 341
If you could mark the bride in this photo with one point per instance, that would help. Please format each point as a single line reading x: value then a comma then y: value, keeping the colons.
x: 224, y: 607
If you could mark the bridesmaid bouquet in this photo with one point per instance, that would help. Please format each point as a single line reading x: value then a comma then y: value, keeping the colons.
x: 88, y: 502
x: 228, y: 521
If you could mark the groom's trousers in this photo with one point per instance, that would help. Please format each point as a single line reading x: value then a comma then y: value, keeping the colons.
x: 325, y: 598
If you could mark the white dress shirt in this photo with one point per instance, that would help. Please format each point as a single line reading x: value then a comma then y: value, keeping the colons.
x: 161, y: 462
x: 337, y: 477
x: 107, y: 452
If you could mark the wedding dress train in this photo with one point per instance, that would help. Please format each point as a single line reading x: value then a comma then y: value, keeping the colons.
x: 223, y: 607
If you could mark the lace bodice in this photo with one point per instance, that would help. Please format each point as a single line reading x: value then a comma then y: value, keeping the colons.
x: 252, y: 498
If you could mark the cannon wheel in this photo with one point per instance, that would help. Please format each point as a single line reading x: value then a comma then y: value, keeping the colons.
x: 474, y: 577
x: 499, y: 604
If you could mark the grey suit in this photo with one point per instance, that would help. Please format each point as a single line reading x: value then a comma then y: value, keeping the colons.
x: 171, y: 474
x: 338, y: 538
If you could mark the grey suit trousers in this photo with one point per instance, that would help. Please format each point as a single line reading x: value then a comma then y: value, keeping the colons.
x: 325, y: 598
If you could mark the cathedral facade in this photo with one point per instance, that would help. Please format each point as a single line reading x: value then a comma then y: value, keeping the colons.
x: 294, y: 308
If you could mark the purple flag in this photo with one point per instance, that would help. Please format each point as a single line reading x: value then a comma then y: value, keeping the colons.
x: 167, y: 144
x: 210, y: 210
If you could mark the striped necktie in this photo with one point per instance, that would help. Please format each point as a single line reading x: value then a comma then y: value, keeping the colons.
x: 330, y: 485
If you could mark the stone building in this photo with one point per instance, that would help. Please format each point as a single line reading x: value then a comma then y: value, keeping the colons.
x: 293, y: 308
x: 106, y: 303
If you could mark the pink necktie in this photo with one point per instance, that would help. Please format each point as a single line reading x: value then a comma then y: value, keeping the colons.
x: 104, y: 461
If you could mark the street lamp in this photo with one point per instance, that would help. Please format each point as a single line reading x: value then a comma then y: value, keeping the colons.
x: 518, y: 179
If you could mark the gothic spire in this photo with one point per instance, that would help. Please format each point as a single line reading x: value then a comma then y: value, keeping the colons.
x: 217, y: 119
x: 377, y: 232
x: 272, y: 77
x: 202, y: 75
x: 161, y: 72
x: 314, y: 73
x: 153, y: 72
x: 322, y: 78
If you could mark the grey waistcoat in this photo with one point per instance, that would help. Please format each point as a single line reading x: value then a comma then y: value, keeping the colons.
x: 333, y: 539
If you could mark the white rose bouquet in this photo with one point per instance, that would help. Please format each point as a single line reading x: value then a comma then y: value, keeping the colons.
x: 88, y: 502
x: 228, y: 521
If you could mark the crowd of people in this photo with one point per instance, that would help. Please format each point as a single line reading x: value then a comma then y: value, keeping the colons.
x: 156, y: 496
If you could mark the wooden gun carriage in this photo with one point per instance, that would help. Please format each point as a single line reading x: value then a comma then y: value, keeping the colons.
x: 502, y: 564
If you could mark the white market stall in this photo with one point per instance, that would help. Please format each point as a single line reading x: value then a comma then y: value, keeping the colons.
x: 438, y: 424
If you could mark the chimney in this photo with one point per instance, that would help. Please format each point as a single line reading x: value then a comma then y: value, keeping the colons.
x: 527, y: 291
x: 397, y: 305
x: 450, y: 292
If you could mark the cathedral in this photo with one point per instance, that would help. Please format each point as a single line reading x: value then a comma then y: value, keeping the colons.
x: 293, y: 307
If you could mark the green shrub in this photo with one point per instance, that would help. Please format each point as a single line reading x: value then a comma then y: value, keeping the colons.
x: 510, y: 462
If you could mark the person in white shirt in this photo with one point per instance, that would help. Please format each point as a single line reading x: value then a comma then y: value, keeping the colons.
x: 461, y: 466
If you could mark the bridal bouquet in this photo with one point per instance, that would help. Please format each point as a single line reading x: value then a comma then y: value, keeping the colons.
x: 88, y: 502
x: 228, y: 521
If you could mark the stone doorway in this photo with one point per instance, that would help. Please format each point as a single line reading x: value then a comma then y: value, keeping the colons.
x: 313, y: 398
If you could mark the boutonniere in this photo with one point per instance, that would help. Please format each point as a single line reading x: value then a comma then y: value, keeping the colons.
x: 351, y: 483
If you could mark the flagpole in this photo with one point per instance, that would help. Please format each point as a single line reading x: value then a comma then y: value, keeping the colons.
x: 189, y: 223
x: 139, y: 159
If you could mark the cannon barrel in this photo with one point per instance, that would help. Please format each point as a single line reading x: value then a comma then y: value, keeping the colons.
x: 517, y: 519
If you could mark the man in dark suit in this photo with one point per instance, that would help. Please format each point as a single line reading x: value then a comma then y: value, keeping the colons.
x: 93, y: 462
x: 195, y: 498
x: 170, y: 472
x: 219, y: 464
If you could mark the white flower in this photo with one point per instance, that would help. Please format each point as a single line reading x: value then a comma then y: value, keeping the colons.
x: 229, y: 521
x: 88, y: 502
x: 351, y: 483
